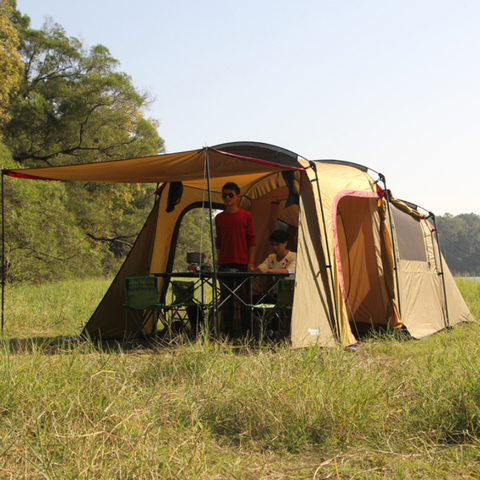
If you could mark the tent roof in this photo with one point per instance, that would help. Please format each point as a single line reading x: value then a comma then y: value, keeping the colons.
x: 185, y: 166
x: 363, y: 168
x: 263, y: 151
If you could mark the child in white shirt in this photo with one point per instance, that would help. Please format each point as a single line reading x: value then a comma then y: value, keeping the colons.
x: 281, y: 260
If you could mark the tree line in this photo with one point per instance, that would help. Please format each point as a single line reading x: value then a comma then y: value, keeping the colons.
x: 459, y: 238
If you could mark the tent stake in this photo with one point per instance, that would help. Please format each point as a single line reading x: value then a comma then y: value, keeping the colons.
x: 330, y: 266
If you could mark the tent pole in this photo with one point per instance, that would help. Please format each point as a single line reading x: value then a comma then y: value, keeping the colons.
x: 3, y: 252
x: 212, y: 239
x: 447, y: 318
x: 329, y: 266
x: 387, y: 196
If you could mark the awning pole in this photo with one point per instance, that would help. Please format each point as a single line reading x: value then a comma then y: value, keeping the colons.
x: 214, y: 286
x: 329, y: 263
x: 447, y: 318
x: 3, y: 252
x: 387, y: 196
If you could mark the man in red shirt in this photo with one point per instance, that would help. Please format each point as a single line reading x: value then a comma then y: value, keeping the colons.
x: 235, y: 244
x: 235, y: 241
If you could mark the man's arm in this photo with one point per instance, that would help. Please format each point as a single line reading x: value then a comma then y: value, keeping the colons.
x: 251, y: 258
x: 251, y: 244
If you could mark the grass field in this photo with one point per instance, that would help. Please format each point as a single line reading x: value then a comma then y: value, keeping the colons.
x: 392, y: 409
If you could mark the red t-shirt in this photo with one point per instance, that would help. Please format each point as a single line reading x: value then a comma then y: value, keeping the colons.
x: 235, y: 234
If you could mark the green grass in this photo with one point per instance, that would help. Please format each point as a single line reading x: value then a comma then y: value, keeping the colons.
x: 392, y: 409
x: 51, y: 310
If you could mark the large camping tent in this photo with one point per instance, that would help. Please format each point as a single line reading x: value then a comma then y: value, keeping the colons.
x: 364, y: 259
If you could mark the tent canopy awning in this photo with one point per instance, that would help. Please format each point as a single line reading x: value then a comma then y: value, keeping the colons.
x: 188, y: 167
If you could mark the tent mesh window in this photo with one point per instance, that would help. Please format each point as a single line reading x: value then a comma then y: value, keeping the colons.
x: 410, y: 239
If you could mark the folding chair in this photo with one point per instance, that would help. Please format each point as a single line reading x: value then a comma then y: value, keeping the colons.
x: 183, y: 294
x: 142, y: 294
x: 267, y: 313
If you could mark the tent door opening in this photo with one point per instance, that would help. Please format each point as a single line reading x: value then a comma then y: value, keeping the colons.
x: 363, y: 275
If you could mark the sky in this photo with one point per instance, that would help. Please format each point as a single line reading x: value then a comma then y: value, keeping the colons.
x: 389, y: 84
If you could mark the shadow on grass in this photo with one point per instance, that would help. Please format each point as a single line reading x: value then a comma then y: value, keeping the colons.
x: 240, y: 346
x: 63, y: 344
x: 60, y: 344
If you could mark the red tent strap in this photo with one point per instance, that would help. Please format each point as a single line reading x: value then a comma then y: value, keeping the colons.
x: 383, y: 193
x: 8, y: 173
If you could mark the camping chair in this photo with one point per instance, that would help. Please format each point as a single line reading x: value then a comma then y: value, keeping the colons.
x: 280, y: 311
x: 183, y: 294
x: 142, y: 305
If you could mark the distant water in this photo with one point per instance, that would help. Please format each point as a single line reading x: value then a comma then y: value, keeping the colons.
x: 475, y: 279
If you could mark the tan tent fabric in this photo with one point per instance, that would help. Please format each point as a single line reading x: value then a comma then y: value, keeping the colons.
x: 421, y: 288
x: 341, y: 230
x: 405, y: 208
x: 335, y: 182
x: 110, y: 319
x: 313, y: 316
x: 388, y: 260
x: 457, y: 308
x: 187, y: 166
x: 166, y: 225
x: 420, y: 299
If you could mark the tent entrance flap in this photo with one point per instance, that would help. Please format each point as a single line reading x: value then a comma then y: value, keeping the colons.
x: 360, y: 244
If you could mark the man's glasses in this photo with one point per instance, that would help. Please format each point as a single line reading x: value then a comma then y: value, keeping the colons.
x: 230, y: 195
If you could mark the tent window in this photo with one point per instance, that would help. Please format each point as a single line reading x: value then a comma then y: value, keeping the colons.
x: 411, y: 244
x: 193, y: 236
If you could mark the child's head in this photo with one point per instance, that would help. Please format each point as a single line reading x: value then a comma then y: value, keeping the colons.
x: 278, y: 241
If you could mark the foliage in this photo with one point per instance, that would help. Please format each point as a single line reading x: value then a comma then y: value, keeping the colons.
x: 43, y: 240
x: 392, y: 409
x: 73, y: 106
x: 460, y: 242
x: 10, y: 62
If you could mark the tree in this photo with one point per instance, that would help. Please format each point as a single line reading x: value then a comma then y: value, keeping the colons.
x: 10, y: 62
x: 74, y: 106
x: 43, y: 239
